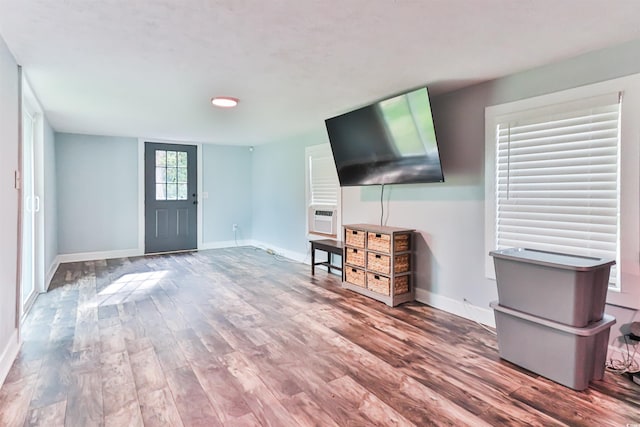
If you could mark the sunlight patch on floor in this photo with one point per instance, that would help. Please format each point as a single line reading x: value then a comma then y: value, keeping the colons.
x: 129, y: 286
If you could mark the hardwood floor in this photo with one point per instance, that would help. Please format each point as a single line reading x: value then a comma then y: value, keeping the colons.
x: 236, y: 337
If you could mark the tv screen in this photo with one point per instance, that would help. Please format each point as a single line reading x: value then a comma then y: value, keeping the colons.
x: 390, y: 142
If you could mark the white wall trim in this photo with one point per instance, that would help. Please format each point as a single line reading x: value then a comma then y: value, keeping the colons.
x: 459, y: 308
x: 224, y: 244
x: 94, y: 256
x: 199, y: 206
x: 295, y: 256
x: 141, y: 142
x: 9, y: 354
x: 51, y: 272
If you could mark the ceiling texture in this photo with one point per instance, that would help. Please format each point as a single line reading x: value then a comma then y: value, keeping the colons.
x: 148, y: 68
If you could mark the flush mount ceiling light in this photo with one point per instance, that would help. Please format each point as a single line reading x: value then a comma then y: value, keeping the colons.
x: 224, y: 101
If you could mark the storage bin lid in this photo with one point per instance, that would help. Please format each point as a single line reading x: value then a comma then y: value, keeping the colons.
x: 592, y: 329
x: 552, y: 259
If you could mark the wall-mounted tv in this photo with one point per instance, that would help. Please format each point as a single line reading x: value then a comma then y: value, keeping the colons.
x: 390, y: 142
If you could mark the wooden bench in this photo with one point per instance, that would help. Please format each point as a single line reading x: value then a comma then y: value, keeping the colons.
x: 331, y: 247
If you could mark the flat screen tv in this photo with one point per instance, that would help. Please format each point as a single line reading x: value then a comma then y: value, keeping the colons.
x: 390, y: 142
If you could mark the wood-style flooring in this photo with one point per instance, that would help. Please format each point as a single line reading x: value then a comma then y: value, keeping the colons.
x: 238, y: 337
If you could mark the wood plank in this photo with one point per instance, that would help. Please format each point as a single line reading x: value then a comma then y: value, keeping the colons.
x: 263, y: 403
x: 23, y: 368
x: 47, y: 416
x: 14, y: 401
x: 248, y: 420
x: 191, y: 400
x: 121, y: 402
x: 223, y: 391
x: 307, y: 412
x: 54, y: 378
x: 128, y: 415
x: 84, y: 401
x: 112, y: 338
x: 573, y: 409
x: 147, y: 373
x: 159, y: 409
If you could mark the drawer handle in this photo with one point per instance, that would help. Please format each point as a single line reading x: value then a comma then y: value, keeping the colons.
x: 378, y: 235
x: 355, y: 251
x: 378, y: 256
x: 354, y: 232
x: 353, y: 270
x: 377, y: 277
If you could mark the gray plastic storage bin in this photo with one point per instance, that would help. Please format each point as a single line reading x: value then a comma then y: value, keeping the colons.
x: 570, y: 356
x: 564, y: 288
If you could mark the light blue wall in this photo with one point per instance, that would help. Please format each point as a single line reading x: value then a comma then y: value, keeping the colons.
x: 50, y: 200
x: 279, y: 213
x: 226, y: 177
x: 9, y: 142
x: 97, y: 193
x: 450, y: 216
x: 460, y: 116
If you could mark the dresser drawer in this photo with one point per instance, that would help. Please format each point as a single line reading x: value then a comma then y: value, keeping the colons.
x: 355, y: 276
x: 354, y: 237
x: 382, y: 263
x: 355, y: 256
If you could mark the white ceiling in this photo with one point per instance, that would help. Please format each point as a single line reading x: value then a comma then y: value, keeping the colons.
x: 148, y: 68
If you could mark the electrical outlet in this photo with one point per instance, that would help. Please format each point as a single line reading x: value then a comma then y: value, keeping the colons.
x: 234, y: 227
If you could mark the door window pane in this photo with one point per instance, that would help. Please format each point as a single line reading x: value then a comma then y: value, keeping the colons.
x: 182, y: 159
x: 172, y: 191
x: 160, y: 192
x: 172, y: 175
x: 161, y: 175
x: 161, y: 158
x: 182, y: 175
x: 172, y: 160
x: 182, y: 191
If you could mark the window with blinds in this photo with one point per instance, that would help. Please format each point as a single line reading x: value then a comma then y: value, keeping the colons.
x: 323, y: 179
x: 557, y: 178
x: 322, y: 191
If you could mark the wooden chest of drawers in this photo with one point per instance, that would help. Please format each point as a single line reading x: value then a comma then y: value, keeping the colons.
x: 379, y: 262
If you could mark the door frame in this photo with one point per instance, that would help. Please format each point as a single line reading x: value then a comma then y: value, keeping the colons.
x: 141, y: 179
x: 29, y: 100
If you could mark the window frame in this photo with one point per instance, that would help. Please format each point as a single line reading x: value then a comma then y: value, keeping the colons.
x: 321, y: 149
x: 628, y: 293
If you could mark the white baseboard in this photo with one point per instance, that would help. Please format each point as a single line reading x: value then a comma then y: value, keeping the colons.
x: 93, y: 256
x: 224, y: 244
x: 51, y: 272
x: 457, y: 307
x: 8, y: 355
x: 296, y: 256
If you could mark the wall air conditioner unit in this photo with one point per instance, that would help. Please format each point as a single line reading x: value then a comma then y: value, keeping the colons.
x: 322, y: 220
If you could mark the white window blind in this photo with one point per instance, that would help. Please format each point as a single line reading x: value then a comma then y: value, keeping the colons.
x: 557, y: 174
x: 323, y: 178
